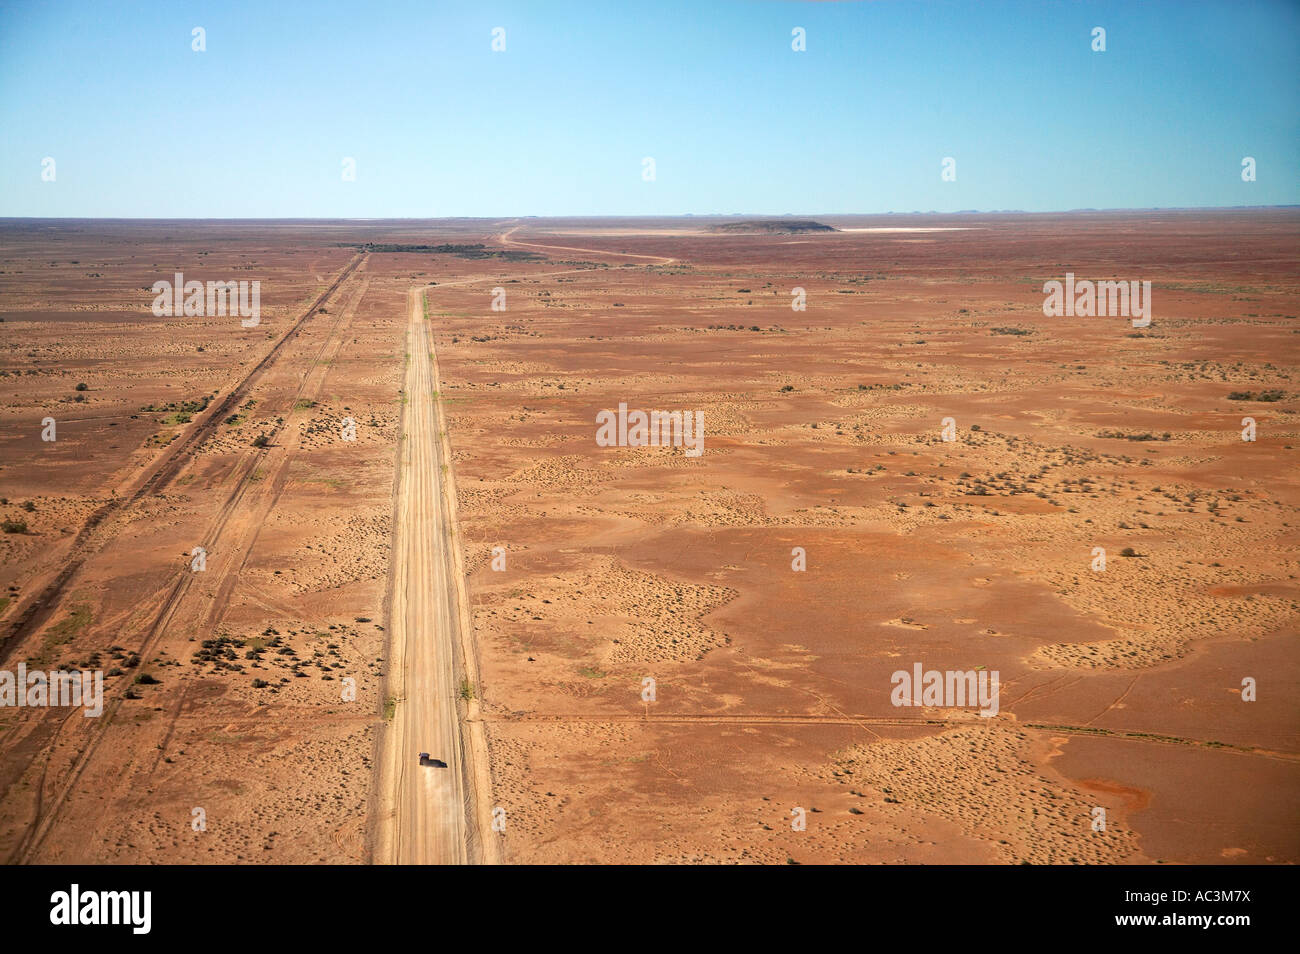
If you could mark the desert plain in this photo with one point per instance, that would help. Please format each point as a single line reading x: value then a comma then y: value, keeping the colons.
x: 666, y: 658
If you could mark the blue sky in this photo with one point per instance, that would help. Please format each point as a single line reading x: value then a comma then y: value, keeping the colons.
x: 558, y: 124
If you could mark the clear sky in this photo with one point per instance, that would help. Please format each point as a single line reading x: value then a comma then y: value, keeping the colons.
x: 558, y: 124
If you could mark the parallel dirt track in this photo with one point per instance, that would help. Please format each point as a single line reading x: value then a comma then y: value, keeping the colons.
x: 161, y: 472
x: 155, y: 481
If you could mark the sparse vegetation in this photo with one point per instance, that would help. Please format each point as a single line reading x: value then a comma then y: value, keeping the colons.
x: 1145, y: 436
x: 182, y: 407
x: 1266, y: 396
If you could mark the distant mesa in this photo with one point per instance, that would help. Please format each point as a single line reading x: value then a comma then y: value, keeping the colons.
x: 774, y: 226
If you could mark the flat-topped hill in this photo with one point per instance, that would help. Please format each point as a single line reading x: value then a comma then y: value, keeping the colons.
x: 774, y: 226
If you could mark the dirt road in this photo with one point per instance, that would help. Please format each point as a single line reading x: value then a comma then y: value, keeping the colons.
x: 427, y: 814
x: 507, y: 238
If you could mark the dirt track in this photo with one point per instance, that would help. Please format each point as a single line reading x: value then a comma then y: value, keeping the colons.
x: 96, y: 534
x: 155, y: 479
x: 426, y: 823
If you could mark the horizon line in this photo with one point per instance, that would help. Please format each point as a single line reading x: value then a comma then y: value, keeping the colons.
x: 638, y: 215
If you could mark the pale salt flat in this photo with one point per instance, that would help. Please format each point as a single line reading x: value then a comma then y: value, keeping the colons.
x: 954, y: 228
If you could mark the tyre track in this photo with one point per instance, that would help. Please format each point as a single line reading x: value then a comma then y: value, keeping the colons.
x: 159, y: 473
x: 47, y: 813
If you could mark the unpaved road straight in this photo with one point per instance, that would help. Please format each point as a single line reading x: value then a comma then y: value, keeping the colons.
x: 426, y: 813
x: 430, y: 815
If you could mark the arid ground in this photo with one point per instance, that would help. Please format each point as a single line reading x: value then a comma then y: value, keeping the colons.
x: 248, y: 705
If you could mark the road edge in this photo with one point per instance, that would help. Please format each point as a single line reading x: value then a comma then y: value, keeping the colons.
x: 478, y: 787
